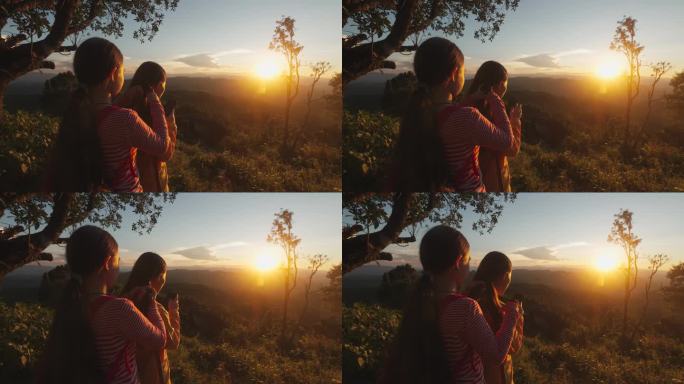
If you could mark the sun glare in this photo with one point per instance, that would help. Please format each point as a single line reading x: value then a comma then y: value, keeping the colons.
x: 265, y: 262
x: 609, y: 70
x: 267, y: 70
x: 606, y: 263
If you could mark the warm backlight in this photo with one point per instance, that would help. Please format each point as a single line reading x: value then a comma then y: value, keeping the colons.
x: 267, y: 70
x: 265, y: 262
x: 609, y: 70
x: 606, y: 263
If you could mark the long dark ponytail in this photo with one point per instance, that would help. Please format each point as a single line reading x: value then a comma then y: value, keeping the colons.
x: 421, y: 160
x: 77, y: 156
x: 491, y: 268
x: 71, y: 356
x: 489, y: 75
x: 418, y: 354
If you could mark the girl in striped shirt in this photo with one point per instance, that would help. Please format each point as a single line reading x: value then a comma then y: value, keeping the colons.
x: 439, y: 141
x: 153, y: 366
x: 443, y: 336
x: 94, y: 335
x: 97, y: 141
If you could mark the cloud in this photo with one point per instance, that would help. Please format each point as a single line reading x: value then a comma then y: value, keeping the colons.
x: 538, y: 253
x: 545, y: 252
x: 543, y: 60
x: 209, y: 60
x: 231, y: 244
x: 201, y: 60
x: 549, y: 60
x: 198, y: 253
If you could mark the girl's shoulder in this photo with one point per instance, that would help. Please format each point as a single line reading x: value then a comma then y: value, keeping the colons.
x: 459, y: 303
x: 457, y: 111
x: 117, y: 113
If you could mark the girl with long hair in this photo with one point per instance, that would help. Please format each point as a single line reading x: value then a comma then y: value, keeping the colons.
x: 94, y: 335
x: 439, y: 140
x: 152, y: 169
x: 153, y: 366
x: 491, y: 281
x: 97, y: 141
x: 494, y: 164
x: 443, y: 336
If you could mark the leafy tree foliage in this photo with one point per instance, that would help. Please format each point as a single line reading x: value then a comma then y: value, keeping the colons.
x: 40, y: 219
x: 43, y: 26
x: 389, y: 215
x: 375, y: 29
x: 397, y: 285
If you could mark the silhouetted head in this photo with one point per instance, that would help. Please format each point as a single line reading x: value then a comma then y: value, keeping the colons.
x: 438, y: 65
x: 149, y: 269
x: 439, y: 62
x: 490, y: 76
x: 444, y: 250
x: 98, y: 61
x: 91, y: 250
x: 491, y: 281
x: 150, y: 75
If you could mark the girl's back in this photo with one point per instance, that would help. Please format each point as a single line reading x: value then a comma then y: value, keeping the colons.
x: 468, y: 338
x: 122, y: 132
x: 117, y: 326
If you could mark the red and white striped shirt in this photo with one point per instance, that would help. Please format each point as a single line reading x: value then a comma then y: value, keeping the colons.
x: 468, y: 339
x: 463, y: 130
x: 118, y: 327
x: 122, y: 132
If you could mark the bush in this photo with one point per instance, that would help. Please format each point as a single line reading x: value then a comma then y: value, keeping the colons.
x: 25, y: 142
x: 367, y: 331
x: 368, y: 145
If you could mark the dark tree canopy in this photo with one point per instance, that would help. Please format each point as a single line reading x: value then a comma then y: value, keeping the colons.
x: 397, y: 284
x: 675, y: 100
x: 39, y: 220
x: 384, y: 217
x: 375, y: 29
x: 42, y: 26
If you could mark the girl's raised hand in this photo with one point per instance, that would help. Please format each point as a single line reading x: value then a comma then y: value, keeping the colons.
x: 516, y: 112
x: 513, y: 307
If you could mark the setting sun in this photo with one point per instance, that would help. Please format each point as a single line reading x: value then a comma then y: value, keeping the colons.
x: 267, y: 70
x: 609, y: 70
x: 265, y: 262
x: 606, y: 263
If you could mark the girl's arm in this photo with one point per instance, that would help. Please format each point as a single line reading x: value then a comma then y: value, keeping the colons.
x: 172, y: 325
x: 499, y: 135
x: 173, y: 134
x: 147, y: 329
x: 517, y: 342
x: 477, y: 333
x: 154, y: 140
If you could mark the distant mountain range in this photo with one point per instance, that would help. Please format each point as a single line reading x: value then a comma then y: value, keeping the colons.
x: 367, y: 92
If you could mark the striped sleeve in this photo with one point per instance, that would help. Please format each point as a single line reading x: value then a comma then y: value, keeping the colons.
x: 154, y: 140
x: 477, y: 333
x: 497, y: 135
x: 135, y: 326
